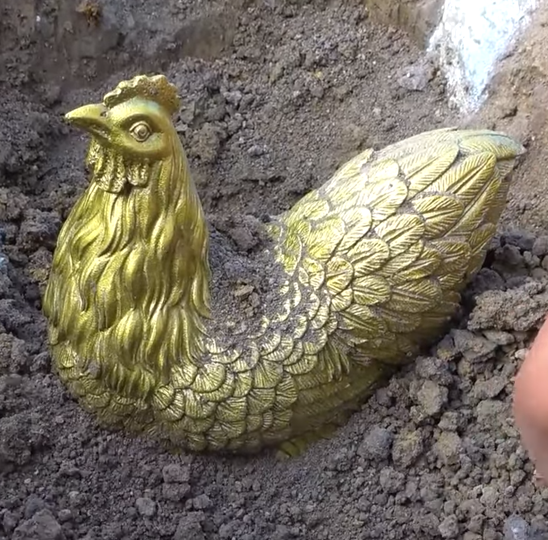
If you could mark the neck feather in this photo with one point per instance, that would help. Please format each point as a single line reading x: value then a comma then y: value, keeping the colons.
x: 130, y: 277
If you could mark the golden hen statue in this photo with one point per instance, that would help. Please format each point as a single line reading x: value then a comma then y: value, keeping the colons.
x: 371, y: 267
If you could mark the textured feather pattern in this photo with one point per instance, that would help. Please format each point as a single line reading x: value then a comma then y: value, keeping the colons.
x: 410, y: 226
x: 374, y: 262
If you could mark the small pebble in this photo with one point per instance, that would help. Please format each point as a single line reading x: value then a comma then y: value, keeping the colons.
x: 175, y: 474
x: 377, y: 444
x: 201, y: 502
x: 450, y: 421
x: 540, y: 246
x: 64, y: 515
x: 489, y: 388
x: 391, y: 480
x: 175, y: 492
x: 74, y: 498
x: 407, y: 448
x: 489, y: 496
x: 145, y: 506
x: 499, y: 337
x: 255, y: 151
x: 448, y: 447
x: 432, y: 397
x: 416, y: 76
x: 474, y: 348
x: 509, y: 255
x: 449, y: 527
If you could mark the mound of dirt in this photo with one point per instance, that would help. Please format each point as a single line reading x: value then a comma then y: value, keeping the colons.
x: 300, y: 88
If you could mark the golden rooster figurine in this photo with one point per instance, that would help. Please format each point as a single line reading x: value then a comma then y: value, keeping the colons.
x: 372, y: 266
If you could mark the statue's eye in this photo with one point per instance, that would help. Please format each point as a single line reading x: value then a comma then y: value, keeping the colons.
x: 140, y: 131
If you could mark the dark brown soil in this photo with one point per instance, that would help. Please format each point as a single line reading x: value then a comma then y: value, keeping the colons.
x: 276, y: 95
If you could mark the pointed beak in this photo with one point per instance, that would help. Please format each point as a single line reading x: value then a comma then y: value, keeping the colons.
x: 91, y: 118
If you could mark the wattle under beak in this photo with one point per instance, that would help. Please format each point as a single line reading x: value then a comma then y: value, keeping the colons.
x: 91, y: 118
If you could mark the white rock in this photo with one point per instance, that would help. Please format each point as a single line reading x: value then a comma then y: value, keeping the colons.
x: 470, y: 39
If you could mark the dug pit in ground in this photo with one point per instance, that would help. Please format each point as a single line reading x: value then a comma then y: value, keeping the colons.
x: 279, y: 107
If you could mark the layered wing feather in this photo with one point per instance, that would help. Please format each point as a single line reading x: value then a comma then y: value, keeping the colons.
x: 398, y: 233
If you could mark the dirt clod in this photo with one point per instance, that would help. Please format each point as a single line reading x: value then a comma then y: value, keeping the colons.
x: 432, y: 397
x: 408, y: 447
x: 42, y: 526
x: 376, y: 444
